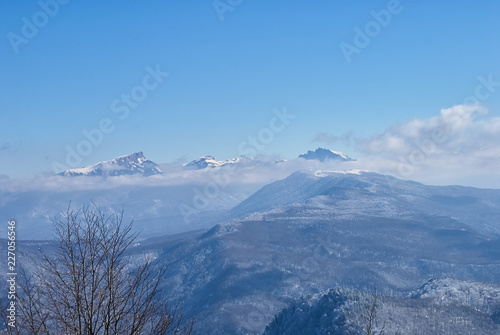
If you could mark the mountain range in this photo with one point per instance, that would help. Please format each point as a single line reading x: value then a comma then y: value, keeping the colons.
x: 136, y: 163
x: 303, y: 254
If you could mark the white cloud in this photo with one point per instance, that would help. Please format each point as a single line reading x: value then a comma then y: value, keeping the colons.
x: 460, y: 146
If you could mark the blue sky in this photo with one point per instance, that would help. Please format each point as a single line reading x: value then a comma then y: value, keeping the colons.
x: 225, y: 77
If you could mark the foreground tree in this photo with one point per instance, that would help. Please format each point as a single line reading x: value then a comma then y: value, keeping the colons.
x: 371, y: 317
x: 86, y: 284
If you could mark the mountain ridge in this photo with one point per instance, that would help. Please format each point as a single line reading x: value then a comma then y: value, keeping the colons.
x: 135, y: 163
x: 209, y: 162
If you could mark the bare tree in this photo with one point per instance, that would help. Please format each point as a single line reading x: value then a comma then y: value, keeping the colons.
x: 86, y: 285
x: 372, y: 319
x: 372, y: 315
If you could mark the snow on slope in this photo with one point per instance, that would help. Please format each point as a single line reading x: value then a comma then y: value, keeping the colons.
x: 134, y: 163
x: 314, y: 232
x: 210, y: 162
x: 360, y: 192
x: 344, y: 311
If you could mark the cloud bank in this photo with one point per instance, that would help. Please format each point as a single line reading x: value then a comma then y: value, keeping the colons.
x: 459, y: 146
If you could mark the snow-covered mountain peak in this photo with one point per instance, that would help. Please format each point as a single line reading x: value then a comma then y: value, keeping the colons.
x: 323, y: 155
x: 210, y: 162
x: 135, y: 163
x: 137, y: 158
x: 203, y: 162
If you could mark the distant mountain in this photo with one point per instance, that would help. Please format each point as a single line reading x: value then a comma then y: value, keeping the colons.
x: 131, y: 164
x: 210, y: 162
x: 324, y: 155
x: 320, y: 154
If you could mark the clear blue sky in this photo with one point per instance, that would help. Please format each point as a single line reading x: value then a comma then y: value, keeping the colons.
x: 226, y: 76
